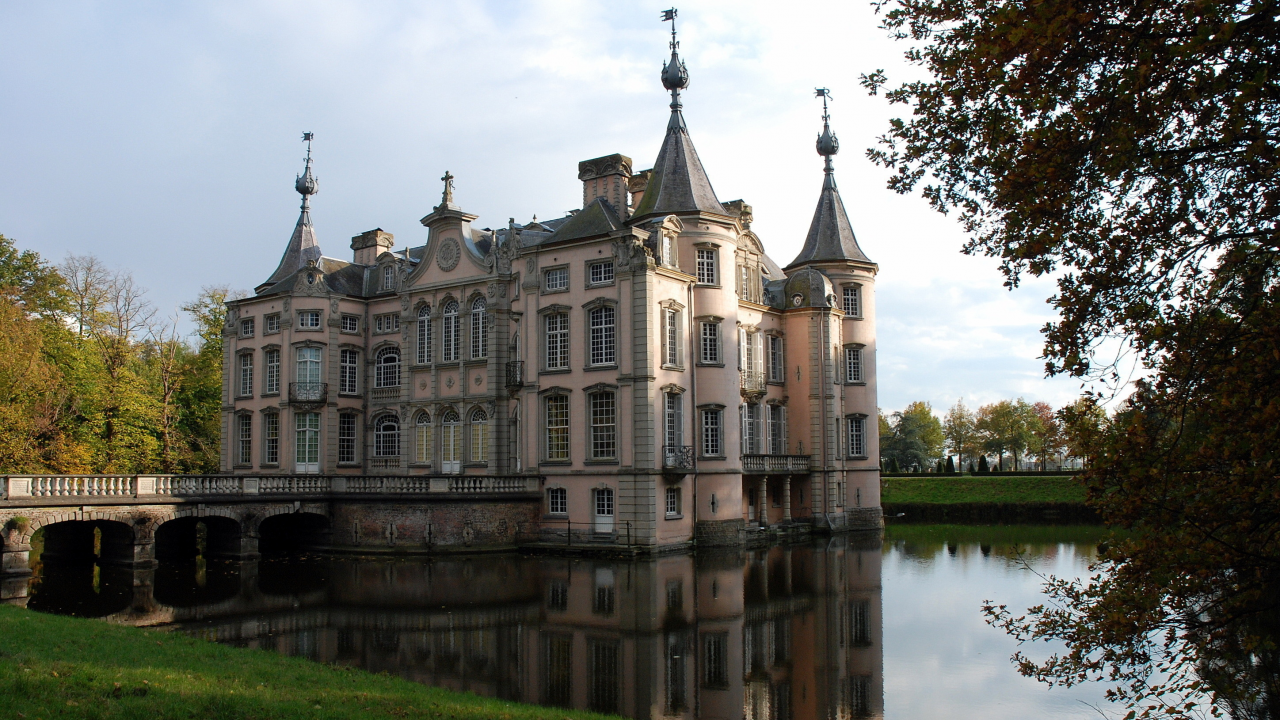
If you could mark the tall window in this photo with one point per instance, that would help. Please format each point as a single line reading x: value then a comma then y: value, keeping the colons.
x: 244, y: 454
x: 558, y: 501
x: 777, y: 430
x: 777, y: 365
x: 349, y: 372
x: 671, y: 336
x: 673, y: 419
x: 707, y: 267
x: 715, y: 660
x: 386, y: 436
x: 479, y: 329
x: 673, y: 501
x: 750, y: 351
x: 603, y: 336
x: 601, y: 273
x: 852, y: 300
x: 386, y: 368
x: 557, y: 341
x: 479, y: 436
x: 271, y: 438
x: 308, y: 366
x: 604, y: 426
x: 712, y: 441
x: 424, y: 335
x: 710, y: 343
x: 271, y: 379
x: 557, y: 427
x: 346, y: 438
x: 451, y: 441
x: 246, y: 375
x: 857, y: 437
x: 307, y: 441
x: 449, y: 343
x: 853, y: 364
x: 751, y: 429
x: 668, y: 249
x: 388, y: 278
x: 422, y: 439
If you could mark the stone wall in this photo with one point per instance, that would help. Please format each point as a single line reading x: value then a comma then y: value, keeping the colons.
x: 438, y: 526
x: 719, y: 533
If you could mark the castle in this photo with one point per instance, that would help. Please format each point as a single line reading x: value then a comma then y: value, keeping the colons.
x: 641, y: 362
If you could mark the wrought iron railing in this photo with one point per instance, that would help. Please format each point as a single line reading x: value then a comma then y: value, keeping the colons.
x: 515, y: 373
x: 308, y: 392
x: 752, y: 381
x: 677, y: 457
x: 757, y: 464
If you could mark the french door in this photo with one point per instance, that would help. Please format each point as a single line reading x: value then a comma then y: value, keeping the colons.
x: 451, y: 443
x: 604, y: 510
x: 307, y: 442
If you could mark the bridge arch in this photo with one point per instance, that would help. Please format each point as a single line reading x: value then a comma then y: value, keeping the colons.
x: 286, y: 529
x: 185, y: 535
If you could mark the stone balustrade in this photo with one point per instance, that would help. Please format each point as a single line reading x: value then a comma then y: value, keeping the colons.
x: 37, y: 489
x: 770, y: 464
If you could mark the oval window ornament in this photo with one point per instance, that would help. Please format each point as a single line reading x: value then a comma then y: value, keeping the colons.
x: 797, y: 299
x: 311, y: 278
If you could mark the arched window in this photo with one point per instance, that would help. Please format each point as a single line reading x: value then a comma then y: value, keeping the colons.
x: 479, y: 329
x: 451, y: 442
x: 449, y: 343
x: 386, y: 436
x: 479, y: 436
x: 424, y: 335
x: 422, y: 438
x: 386, y: 370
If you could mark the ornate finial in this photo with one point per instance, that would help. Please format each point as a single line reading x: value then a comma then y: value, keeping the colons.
x: 306, y: 183
x: 675, y: 76
x: 828, y: 145
x: 447, y: 198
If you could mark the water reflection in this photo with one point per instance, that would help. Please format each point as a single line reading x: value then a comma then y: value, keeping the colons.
x: 787, y: 632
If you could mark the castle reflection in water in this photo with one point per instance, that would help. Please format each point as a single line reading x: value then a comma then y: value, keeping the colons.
x: 781, y: 632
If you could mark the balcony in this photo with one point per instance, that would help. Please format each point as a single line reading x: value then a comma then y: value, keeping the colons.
x: 752, y: 382
x: 515, y: 373
x: 775, y: 464
x: 678, y: 458
x: 385, y: 393
x: 308, y: 393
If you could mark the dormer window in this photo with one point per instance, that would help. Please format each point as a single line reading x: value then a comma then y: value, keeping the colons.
x: 388, y: 278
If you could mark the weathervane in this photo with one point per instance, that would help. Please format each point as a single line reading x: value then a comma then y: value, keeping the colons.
x: 675, y: 76
x: 305, y: 183
x: 828, y: 145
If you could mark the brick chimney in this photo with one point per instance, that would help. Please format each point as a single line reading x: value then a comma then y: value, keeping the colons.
x: 606, y: 177
x: 637, y: 186
x: 369, y: 245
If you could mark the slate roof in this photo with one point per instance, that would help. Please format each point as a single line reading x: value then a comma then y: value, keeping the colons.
x: 301, y: 250
x: 830, y: 235
x: 597, y: 218
x: 679, y: 183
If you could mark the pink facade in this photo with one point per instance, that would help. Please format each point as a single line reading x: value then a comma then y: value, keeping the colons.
x: 643, y: 357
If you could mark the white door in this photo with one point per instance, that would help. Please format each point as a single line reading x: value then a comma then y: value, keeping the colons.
x: 451, y: 443
x: 604, y: 510
x: 307, y: 443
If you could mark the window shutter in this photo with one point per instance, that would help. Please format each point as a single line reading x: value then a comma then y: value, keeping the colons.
x: 782, y: 418
x: 742, y: 429
x: 742, y: 348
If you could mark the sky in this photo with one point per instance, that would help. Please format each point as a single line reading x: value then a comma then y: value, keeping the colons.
x: 164, y: 138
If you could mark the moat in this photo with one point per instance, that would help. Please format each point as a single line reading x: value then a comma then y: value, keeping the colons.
x: 843, y: 627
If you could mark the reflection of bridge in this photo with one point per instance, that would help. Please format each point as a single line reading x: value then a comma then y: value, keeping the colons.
x: 788, y: 632
x: 133, y: 520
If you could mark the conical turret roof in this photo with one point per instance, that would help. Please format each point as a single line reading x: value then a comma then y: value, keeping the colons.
x: 303, y: 249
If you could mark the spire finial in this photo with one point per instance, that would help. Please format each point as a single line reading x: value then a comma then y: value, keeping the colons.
x: 675, y: 76
x: 446, y: 199
x: 828, y: 145
x: 305, y: 183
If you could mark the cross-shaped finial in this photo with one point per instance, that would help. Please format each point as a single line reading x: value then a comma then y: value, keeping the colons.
x: 447, y: 199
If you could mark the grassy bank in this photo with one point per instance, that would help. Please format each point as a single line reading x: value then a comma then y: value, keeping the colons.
x: 955, y: 490
x: 60, y: 667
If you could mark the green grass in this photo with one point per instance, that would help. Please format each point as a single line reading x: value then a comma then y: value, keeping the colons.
x: 938, y: 535
x: 953, y: 490
x: 61, y: 667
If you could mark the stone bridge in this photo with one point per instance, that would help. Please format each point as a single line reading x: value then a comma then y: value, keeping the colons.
x: 133, y: 520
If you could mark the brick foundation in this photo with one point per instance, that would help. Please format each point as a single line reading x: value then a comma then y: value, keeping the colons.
x: 719, y: 533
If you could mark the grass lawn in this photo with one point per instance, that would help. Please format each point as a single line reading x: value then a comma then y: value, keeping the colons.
x: 61, y: 667
x: 959, y: 489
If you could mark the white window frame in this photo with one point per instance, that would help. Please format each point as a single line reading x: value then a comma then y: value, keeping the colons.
x: 246, y: 375
x: 424, y: 438
x: 424, y: 335
x: 709, y: 344
x: 246, y: 328
x: 851, y: 301
x: 857, y: 438
x: 479, y: 423
x: 602, y: 323
x: 672, y: 502
x: 244, y: 440
x: 603, y: 412
x: 386, y: 436
x: 776, y: 432
x: 271, y: 438
x: 271, y: 372
x: 600, y: 272
x: 309, y: 319
x: 271, y: 324
x: 386, y: 371
x: 671, y: 356
x: 348, y: 429
x: 712, y: 440
x: 853, y: 365
x: 556, y: 327
x: 450, y: 340
x: 349, y: 372
x: 557, y: 501
x: 555, y: 279
x: 388, y: 278
x: 708, y: 271
x: 350, y: 323
x: 479, y: 329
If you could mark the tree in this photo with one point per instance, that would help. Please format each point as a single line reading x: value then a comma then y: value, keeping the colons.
x: 951, y: 465
x: 1047, y: 432
x: 1083, y: 425
x: 200, y: 394
x: 959, y: 431
x: 914, y: 436
x: 982, y: 464
x: 1130, y: 150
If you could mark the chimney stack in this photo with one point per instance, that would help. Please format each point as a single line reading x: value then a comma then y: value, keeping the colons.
x: 606, y: 177
x: 369, y: 245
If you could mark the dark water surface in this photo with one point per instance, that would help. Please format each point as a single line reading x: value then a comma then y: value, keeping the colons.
x: 842, y: 628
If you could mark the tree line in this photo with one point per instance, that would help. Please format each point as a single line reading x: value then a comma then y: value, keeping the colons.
x: 95, y: 379
x: 1005, y: 435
